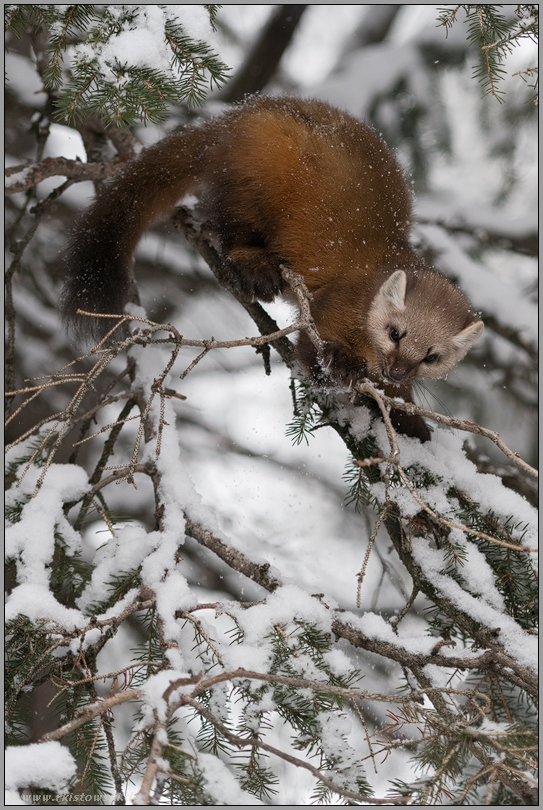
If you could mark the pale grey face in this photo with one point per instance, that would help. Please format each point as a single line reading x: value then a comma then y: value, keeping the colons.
x: 419, y: 337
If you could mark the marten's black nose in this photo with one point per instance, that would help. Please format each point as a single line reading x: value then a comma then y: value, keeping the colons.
x: 396, y: 375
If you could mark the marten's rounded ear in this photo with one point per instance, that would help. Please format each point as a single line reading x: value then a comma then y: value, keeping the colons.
x: 465, y: 339
x: 393, y: 289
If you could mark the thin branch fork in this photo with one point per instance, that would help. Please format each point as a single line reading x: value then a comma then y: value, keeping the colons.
x: 92, y: 711
x: 135, y: 606
x: 459, y: 424
x: 179, y: 340
x: 200, y: 686
x: 523, y: 32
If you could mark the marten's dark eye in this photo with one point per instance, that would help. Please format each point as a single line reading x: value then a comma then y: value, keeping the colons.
x: 430, y: 358
x: 394, y: 335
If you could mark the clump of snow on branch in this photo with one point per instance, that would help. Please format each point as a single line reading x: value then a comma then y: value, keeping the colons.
x: 45, y: 765
x: 31, y: 541
x: 520, y: 645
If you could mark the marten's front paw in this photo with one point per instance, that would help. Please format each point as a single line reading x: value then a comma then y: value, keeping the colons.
x: 256, y: 273
x: 339, y: 366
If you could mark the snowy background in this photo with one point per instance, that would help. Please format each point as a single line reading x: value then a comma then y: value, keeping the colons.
x: 473, y: 168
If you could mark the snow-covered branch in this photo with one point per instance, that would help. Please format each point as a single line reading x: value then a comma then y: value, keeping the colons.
x: 213, y: 614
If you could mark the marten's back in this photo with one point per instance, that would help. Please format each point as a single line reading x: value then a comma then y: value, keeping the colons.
x: 282, y: 180
x: 322, y: 187
x: 286, y: 181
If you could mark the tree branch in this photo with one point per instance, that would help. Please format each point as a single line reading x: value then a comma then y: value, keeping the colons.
x: 232, y: 557
x: 90, y: 712
x: 459, y: 424
x: 29, y: 175
x: 526, y: 243
x: 263, y: 59
x: 200, y: 240
x: 244, y: 742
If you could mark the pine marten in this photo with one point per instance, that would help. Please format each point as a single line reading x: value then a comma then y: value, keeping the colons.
x: 299, y: 183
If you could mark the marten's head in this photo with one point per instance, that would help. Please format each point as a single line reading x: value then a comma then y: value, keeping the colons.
x: 419, y: 325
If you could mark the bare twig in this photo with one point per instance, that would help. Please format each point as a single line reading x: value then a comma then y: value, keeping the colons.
x: 143, y: 796
x: 371, y: 541
x: 368, y: 462
x: 297, y: 285
x: 459, y: 424
x: 89, y: 712
x: 465, y: 529
x: 396, y: 621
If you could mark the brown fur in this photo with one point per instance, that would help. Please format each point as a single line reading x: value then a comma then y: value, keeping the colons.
x: 281, y: 181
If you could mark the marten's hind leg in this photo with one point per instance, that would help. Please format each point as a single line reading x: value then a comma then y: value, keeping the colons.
x: 255, y: 271
x: 235, y: 216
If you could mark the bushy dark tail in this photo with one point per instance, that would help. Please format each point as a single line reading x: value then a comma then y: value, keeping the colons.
x: 100, y: 251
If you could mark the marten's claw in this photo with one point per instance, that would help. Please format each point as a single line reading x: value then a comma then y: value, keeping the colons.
x: 256, y: 274
x: 340, y: 366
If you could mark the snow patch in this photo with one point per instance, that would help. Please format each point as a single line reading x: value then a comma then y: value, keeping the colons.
x: 43, y: 765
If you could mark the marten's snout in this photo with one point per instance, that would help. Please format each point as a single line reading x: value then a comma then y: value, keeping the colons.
x: 398, y: 369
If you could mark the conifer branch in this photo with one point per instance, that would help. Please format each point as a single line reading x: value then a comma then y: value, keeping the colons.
x: 458, y: 424
x: 426, y: 719
x: 243, y: 742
